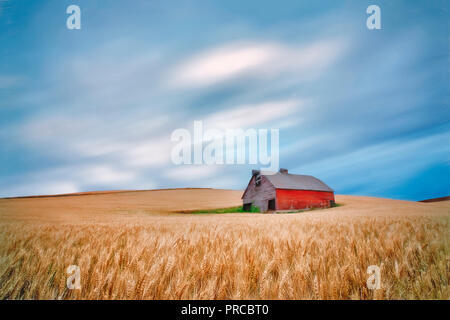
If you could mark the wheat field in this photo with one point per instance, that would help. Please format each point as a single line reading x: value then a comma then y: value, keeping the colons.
x: 133, y: 245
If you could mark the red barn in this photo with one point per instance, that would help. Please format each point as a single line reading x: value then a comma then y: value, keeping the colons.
x: 285, y: 191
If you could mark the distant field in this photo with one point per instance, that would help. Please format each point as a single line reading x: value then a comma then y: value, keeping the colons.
x: 131, y: 245
x: 109, y: 205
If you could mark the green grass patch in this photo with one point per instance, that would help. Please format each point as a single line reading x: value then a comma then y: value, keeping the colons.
x: 337, y: 205
x: 252, y: 210
x: 225, y: 210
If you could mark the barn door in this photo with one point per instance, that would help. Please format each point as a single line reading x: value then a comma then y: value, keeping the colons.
x: 271, y: 204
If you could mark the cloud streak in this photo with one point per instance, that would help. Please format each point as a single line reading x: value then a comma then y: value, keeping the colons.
x: 245, y: 58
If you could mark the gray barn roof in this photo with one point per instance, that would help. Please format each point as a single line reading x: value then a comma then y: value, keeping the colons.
x: 296, y: 182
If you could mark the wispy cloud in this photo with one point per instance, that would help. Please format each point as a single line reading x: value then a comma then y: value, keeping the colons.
x: 43, y: 188
x: 106, y: 174
x: 223, y: 63
x: 253, y: 115
x: 255, y: 60
x: 192, y: 173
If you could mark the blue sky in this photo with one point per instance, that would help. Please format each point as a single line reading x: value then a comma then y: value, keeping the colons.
x: 366, y: 111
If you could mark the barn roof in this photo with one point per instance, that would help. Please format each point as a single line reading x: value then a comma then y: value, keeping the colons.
x: 296, y: 182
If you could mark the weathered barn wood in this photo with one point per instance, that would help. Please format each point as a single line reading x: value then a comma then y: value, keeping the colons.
x: 284, y: 191
x: 259, y: 195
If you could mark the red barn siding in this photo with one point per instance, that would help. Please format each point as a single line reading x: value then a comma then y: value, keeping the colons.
x: 301, y: 199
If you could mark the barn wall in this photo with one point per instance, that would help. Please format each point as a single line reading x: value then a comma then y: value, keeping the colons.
x: 259, y: 195
x: 301, y: 199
